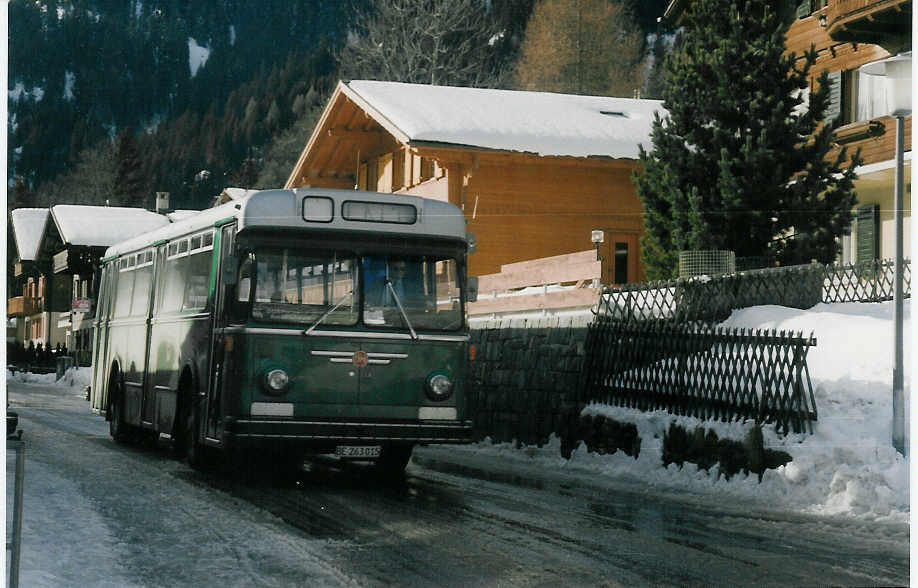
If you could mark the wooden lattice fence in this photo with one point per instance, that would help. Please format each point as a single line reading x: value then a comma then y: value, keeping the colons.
x: 711, y: 299
x: 708, y: 373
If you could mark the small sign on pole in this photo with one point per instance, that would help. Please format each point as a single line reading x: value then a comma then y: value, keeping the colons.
x: 81, y: 305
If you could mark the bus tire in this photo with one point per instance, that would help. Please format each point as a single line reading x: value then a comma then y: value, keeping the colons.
x: 117, y: 428
x: 187, y: 441
x: 393, y: 459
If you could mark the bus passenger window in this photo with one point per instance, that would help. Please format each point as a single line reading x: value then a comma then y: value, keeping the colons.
x: 197, y: 280
x: 174, y: 285
x: 140, y: 306
x: 124, y: 294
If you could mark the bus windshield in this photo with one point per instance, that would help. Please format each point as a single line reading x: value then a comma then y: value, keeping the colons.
x: 420, y: 292
x: 295, y: 287
x: 398, y: 292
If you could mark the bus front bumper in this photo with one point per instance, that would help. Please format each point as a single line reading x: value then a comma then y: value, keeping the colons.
x: 249, y: 432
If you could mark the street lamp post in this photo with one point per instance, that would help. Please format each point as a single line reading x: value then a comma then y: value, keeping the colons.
x: 597, y: 236
x: 898, y: 73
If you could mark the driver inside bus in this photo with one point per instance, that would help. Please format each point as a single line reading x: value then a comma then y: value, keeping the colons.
x: 407, y: 290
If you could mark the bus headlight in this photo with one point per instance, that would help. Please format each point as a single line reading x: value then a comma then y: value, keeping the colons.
x: 439, y: 387
x: 276, y: 381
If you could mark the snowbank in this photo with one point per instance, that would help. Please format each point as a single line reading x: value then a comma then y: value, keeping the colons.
x: 76, y: 378
x: 847, y: 467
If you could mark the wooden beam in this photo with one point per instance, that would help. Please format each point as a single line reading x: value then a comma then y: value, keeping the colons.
x: 345, y: 183
x: 355, y: 135
x: 580, y: 297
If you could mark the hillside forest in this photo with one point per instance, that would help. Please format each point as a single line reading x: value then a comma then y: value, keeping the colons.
x: 111, y: 101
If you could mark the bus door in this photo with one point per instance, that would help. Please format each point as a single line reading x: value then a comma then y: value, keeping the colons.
x: 100, y: 343
x: 212, y: 410
x: 149, y: 393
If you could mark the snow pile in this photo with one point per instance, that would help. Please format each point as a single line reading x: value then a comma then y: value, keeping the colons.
x: 75, y: 378
x: 847, y: 467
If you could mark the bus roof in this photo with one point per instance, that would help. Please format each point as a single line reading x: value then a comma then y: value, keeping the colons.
x: 318, y: 209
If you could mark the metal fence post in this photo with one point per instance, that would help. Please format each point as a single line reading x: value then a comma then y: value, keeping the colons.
x: 15, y: 542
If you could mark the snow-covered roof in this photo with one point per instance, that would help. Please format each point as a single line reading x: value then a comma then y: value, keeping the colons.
x: 537, y: 122
x: 236, y: 193
x: 28, y: 228
x: 177, y: 215
x: 102, y: 226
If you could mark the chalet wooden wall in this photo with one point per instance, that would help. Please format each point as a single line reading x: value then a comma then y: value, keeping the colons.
x: 524, y: 207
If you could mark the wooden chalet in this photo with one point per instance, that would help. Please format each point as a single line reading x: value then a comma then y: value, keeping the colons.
x: 534, y: 172
x: 58, y: 251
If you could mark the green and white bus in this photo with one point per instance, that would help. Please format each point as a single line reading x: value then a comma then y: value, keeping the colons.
x: 290, y: 322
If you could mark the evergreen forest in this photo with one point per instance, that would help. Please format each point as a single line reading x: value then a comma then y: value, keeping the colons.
x: 111, y: 101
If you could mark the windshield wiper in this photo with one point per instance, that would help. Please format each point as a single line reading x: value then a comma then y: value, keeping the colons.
x: 398, y: 303
x: 328, y: 312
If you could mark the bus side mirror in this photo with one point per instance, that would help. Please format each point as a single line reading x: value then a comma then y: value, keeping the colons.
x: 229, y: 270
x: 471, y: 242
x: 472, y: 283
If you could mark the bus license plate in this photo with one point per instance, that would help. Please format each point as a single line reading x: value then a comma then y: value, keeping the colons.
x: 354, y: 451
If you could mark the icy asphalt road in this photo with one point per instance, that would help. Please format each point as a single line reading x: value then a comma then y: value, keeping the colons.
x: 101, y: 514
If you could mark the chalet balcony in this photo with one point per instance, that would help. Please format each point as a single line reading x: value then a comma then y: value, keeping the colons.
x: 880, y: 22
x: 23, y: 306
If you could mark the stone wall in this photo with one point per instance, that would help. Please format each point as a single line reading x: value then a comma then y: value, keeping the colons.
x: 525, y: 375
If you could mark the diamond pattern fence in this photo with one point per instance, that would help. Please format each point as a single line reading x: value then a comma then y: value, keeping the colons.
x: 710, y: 299
x: 705, y: 372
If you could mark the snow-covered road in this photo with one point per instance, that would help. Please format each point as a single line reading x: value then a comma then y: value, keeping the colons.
x: 102, y: 514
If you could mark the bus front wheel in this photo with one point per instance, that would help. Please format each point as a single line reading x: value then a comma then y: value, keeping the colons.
x: 393, y: 459
x: 188, y: 443
x: 117, y: 428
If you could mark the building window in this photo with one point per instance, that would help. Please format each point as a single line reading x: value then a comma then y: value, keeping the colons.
x: 855, y: 97
x: 621, y: 263
x: 868, y: 232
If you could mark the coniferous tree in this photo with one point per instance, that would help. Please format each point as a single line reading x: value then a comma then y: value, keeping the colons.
x: 740, y: 162
x: 130, y: 187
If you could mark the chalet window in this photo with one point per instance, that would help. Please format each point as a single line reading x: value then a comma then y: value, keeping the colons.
x: 868, y: 232
x: 855, y: 96
x: 871, y: 97
x: 621, y: 263
x: 808, y: 7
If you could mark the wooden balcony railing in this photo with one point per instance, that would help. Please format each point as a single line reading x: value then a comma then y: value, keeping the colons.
x: 881, y: 22
x: 23, y: 306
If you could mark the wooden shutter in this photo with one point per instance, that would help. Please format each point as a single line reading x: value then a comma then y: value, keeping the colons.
x: 834, y: 109
x: 868, y: 232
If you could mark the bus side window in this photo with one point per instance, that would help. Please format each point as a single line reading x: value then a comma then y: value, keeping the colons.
x: 174, y: 285
x: 142, y: 279
x: 197, y: 278
x: 124, y: 293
